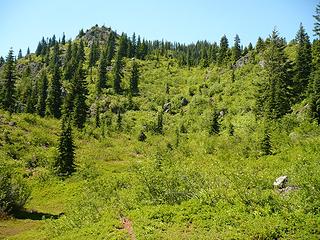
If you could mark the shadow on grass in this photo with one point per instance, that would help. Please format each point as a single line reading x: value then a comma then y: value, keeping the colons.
x: 34, y: 215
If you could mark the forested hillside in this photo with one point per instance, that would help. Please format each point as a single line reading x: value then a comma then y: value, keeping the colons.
x: 109, y: 136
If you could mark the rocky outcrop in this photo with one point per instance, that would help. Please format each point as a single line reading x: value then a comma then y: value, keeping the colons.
x: 97, y: 34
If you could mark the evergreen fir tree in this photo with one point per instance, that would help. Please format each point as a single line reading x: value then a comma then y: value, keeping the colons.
x: 133, y: 45
x: 8, y: 91
x: 266, y: 143
x: 63, y: 40
x: 236, y: 51
x: 223, y: 50
x: 94, y: 54
x: 134, y: 79
x: 69, y: 66
x: 273, y: 99
x: 119, y: 120
x: 159, y: 126
x: 303, y: 64
x: 118, y: 66
x: 110, y: 48
x: 42, y: 97
x: 102, y: 75
x: 117, y: 74
x: 81, y: 33
x: 54, y: 99
x: 138, y: 48
x: 55, y: 61
x: 214, y: 123
x: 64, y: 164
x: 213, y: 52
x: 316, y: 28
x: 260, y: 45
x: 79, y: 92
x: 20, y: 54
x: 2, y: 61
x: 80, y: 53
x: 39, y: 49
x: 97, y: 117
x: 45, y: 49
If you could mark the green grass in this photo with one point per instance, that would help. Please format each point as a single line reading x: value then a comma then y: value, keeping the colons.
x: 184, y: 184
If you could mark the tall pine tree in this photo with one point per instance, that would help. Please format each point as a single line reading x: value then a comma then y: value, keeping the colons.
x: 42, y: 96
x: 273, y: 99
x: 64, y: 164
x: 236, y: 50
x: 79, y: 92
x: 134, y: 79
x: 302, y: 65
x: 102, y: 75
x: 223, y: 50
x: 8, y: 90
x: 54, y: 99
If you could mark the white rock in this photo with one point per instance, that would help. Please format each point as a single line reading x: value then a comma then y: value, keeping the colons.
x: 281, y: 182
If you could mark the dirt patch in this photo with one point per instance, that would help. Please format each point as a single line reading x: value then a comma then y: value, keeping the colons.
x: 127, y: 225
x: 13, y: 227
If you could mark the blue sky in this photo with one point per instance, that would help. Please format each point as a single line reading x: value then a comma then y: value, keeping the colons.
x: 24, y: 22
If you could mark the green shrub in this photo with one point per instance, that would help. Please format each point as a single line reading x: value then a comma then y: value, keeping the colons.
x: 14, y: 192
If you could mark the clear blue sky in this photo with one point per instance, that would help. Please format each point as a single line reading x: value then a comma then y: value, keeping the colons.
x: 24, y: 22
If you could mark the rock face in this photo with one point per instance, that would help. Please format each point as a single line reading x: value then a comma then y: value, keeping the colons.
x: 281, y: 182
x: 241, y: 62
x: 97, y: 34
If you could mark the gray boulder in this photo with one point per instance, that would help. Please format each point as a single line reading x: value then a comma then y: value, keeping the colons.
x: 281, y: 182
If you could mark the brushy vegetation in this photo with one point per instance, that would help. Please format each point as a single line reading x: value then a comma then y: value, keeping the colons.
x: 185, y: 154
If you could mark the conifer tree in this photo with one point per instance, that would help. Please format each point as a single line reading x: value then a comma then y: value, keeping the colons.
x: 119, y: 120
x: 214, y: 123
x: 118, y: 66
x: 45, y: 49
x: 63, y: 40
x: 110, y: 48
x: 97, y: 117
x: 159, y: 126
x: 79, y: 93
x: 134, y: 79
x: 2, y: 61
x: 8, y: 91
x: 94, y: 54
x: 117, y: 74
x: 102, y: 75
x: 213, y: 52
x: 64, y: 164
x: 80, y: 53
x: 68, y: 67
x: 138, y: 48
x: 39, y: 49
x: 260, y: 44
x: 223, y: 50
x: 273, y: 99
x: 133, y: 45
x: 54, y: 99
x: 303, y: 64
x: 236, y: 51
x: 55, y: 61
x: 42, y: 97
x: 316, y: 28
x: 81, y: 33
x: 266, y: 142
x: 20, y: 54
